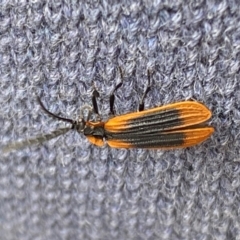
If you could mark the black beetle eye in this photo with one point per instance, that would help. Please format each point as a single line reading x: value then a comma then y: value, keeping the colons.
x: 79, y: 125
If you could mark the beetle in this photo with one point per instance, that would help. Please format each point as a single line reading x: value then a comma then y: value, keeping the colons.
x: 175, y: 125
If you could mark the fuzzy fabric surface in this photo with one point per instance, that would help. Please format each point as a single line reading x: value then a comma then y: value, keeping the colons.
x: 67, y: 188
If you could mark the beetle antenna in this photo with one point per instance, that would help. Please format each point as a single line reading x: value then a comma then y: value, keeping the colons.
x: 38, y: 139
x: 54, y: 115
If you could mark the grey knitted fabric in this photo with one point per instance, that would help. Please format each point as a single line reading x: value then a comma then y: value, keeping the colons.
x: 67, y: 188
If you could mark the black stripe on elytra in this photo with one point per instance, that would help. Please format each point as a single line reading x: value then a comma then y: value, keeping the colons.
x: 150, y: 140
x: 157, y: 121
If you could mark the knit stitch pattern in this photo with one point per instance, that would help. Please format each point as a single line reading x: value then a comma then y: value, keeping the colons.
x: 67, y: 188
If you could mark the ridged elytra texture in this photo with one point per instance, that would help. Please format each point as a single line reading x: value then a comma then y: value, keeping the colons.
x: 69, y: 189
